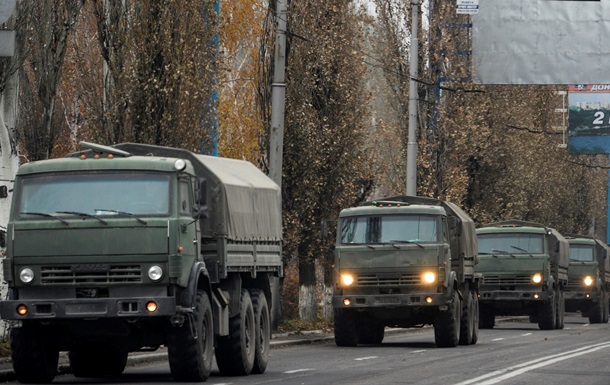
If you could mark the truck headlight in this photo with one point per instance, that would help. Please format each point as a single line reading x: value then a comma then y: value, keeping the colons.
x: 26, y: 275
x: 537, y: 278
x: 429, y: 277
x: 588, y: 280
x: 347, y: 279
x: 155, y: 273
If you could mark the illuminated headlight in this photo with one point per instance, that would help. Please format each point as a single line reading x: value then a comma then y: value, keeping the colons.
x: 588, y: 280
x: 429, y: 277
x: 26, y: 275
x: 537, y: 278
x: 155, y: 273
x: 347, y: 279
x: 179, y: 164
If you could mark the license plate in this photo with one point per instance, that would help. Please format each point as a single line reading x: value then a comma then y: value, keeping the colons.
x: 387, y: 300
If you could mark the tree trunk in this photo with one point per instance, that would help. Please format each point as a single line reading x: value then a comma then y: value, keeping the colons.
x: 308, y: 307
x: 9, y: 155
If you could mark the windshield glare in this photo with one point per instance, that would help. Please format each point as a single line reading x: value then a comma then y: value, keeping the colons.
x: 581, y: 253
x: 389, y: 229
x: 510, y: 243
x: 102, y: 194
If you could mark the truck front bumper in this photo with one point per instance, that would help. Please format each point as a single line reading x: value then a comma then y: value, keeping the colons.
x: 90, y: 308
x: 362, y: 301
x: 585, y: 296
x: 487, y: 295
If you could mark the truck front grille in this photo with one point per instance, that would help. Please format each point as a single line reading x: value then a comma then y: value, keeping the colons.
x: 389, y: 279
x: 506, y: 280
x: 91, y: 274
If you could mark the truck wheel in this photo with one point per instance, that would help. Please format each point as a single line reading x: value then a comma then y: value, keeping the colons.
x: 190, y: 347
x: 475, y: 327
x: 97, y: 362
x: 487, y: 317
x: 235, y: 352
x: 467, y: 320
x: 262, y: 322
x: 346, y: 333
x: 561, y: 307
x: 547, y: 315
x: 596, y: 312
x: 34, y: 358
x: 606, y: 305
x: 370, y: 332
x: 447, y: 324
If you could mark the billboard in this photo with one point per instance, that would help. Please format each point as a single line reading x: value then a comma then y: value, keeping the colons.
x: 541, y: 42
x: 589, y: 119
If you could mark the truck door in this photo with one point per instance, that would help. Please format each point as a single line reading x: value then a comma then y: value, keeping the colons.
x: 188, y: 227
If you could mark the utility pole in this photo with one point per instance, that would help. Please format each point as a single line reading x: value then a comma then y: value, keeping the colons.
x: 278, y: 94
x: 276, y: 136
x: 413, y: 67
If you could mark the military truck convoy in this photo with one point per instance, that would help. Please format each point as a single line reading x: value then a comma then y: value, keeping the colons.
x: 589, y: 278
x: 132, y: 247
x: 525, y: 272
x: 402, y: 262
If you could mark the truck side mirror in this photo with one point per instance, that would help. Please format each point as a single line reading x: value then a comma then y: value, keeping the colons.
x: 201, y: 209
x: 2, y: 238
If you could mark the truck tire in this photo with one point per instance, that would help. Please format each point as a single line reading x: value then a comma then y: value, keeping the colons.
x: 561, y: 307
x: 346, y: 333
x: 467, y: 320
x: 596, y: 312
x: 547, y: 314
x: 97, y: 362
x: 262, y: 322
x: 235, y: 352
x: 370, y: 332
x: 607, y: 306
x: 34, y: 359
x: 190, y: 347
x: 487, y: 317
x: 475, y: 330
x: 447, y: 324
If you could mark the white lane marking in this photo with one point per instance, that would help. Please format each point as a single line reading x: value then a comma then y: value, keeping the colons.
x: 513, y: 371
x: 365, y: 358
x: 418, y: 351
x: 497, y: 339
x: 526, y: 334
x: 297, y: 371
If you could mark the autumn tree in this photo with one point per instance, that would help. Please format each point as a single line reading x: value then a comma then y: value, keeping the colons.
x: 325, y: 160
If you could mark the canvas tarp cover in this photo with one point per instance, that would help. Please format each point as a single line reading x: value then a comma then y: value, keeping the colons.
x: 244, y: 204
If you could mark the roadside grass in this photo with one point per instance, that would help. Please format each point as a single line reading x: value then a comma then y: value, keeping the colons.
x: 297, y: 325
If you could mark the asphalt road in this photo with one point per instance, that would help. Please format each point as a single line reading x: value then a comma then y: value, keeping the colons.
x: 511, y: 353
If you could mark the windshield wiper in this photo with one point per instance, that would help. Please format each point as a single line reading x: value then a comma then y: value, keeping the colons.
x: 393, y: 241
x: 502, y: 252
x: 525, y: 251
x: 85, y: 215
x: 45, y: 215
x: 124, y: 213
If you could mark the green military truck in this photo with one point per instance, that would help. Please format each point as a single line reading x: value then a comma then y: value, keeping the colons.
x: 588, y: 278
x: 132, y: 247
x: 525, y: 272
x: 402, y: 262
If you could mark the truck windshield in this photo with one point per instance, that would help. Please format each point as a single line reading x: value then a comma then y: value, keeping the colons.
x: 510, y: 243
x: 98, y: 194
x: 581, y: 253
x: 389, y: 229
